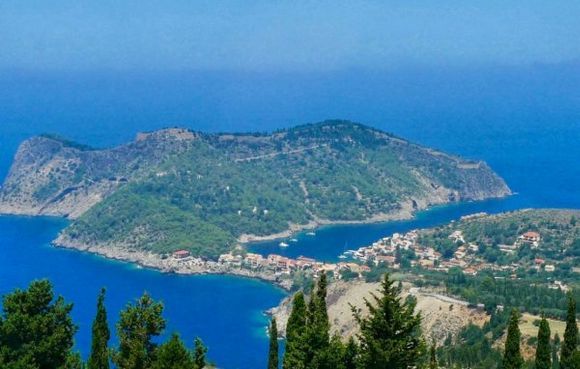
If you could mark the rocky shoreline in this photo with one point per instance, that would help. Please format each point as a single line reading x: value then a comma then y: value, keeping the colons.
x: 199, y: 266
x: 168, y: 264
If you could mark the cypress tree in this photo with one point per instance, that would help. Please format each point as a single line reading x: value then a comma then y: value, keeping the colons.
x: 332, y: 357
x: 390, y: 336
x: 570, y: 343
x: 555, y: 349
x: 433, y: 357
x: 512, y: 358
x: 295, y: 354
x: 99, y: 356
x: 543, y: 349
x: 318, y: 326
x: 199, y: 353
x: 350, y: 354
x: 273, y: 351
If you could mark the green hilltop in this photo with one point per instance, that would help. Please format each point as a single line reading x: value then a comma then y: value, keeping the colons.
x: 178, y: 189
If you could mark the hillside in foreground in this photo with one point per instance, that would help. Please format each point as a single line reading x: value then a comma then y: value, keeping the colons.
x: 178, y: 189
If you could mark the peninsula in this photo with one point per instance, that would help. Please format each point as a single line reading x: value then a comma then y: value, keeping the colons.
x: 202, y: 193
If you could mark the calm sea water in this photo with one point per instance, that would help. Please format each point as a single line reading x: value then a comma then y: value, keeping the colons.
x: 525, y: 123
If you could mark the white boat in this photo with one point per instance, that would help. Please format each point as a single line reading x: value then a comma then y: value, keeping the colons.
x: 311, y: 234
x: 294, y: 240
x: 283, y: 244
x: 342, y: 257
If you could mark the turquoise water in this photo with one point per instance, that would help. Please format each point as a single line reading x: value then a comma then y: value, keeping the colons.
x: 525, y: 124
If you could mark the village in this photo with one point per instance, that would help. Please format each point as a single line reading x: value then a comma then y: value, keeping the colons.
x: 385, y: 252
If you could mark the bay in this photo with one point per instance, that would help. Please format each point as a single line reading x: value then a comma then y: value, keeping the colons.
x: 524, y: 122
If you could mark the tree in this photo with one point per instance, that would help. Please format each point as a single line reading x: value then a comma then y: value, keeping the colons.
x: 138, y: 324
x: 555, y: 349
x: 36, y: 330
x: 350, y: 354
x: 318, y: 326
x: 273, y: 350
x: 199, y: 352
x: 390, y: 336
x: 294, y: 357
x: 543, y: 349
x: 570, y: 343
x: 74, y: 361
x: 99, y: 356
x: 331, y: 357
x: 433, y: 357
x: 512, y: 358
x: 172, y: 355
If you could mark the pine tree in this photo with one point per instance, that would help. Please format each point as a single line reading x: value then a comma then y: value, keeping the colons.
x: 294, y: 356
x: 512, y: 358
x: 433, y: 357
x: 273, y: 351
x: 199, y: 352
x: 36, y: 329
x: 99, y: 356
x: 138, y: 324
x: 570, y: 344
x: 172, y: 355
x: 390, y: 336
x: 543, y: 349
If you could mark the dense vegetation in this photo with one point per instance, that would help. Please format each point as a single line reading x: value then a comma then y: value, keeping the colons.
x: 36, y: 332
x: 390, y: 337
x: 177, y: 189
x: 559, y: 230
x: 522, y: 283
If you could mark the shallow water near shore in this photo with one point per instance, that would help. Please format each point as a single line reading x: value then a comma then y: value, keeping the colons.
x: 524, y: 125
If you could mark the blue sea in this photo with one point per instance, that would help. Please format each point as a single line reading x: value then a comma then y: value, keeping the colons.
x: 525, y: 122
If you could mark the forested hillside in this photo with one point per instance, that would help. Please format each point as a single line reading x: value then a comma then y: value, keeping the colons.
x: 178, y: 189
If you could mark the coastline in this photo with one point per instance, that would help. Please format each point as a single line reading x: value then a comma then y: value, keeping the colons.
x: 186, y: 266
x: 199, y: 266
x: 406, y: 212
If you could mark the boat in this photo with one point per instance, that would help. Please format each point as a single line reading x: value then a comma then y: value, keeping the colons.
x: 294, y: 240
x: 311, y: 234
x: 342, y: 257
x: 283, y: 244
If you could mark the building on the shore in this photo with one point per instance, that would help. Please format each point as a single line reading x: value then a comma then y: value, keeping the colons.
x: 181, y: 254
